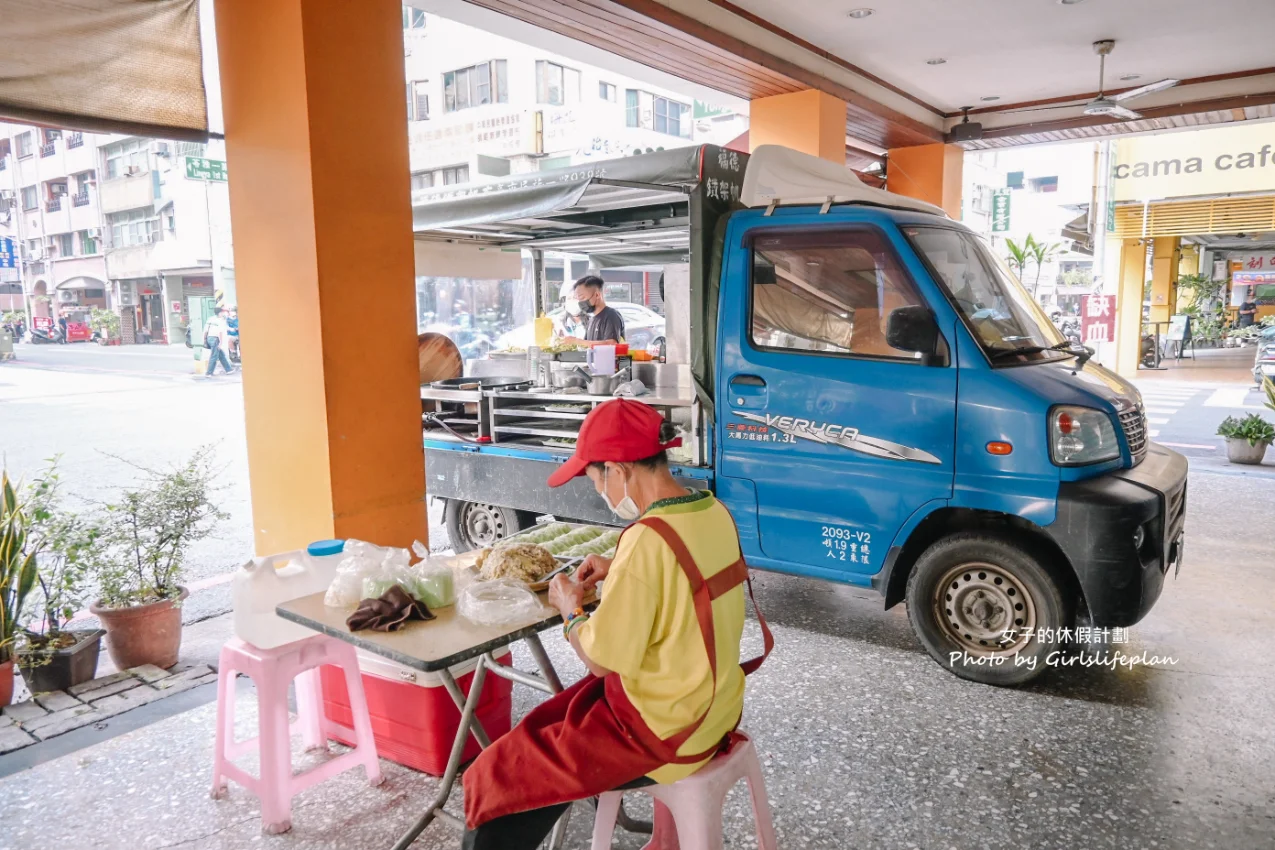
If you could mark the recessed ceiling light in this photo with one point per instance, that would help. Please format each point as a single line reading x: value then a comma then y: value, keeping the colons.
x: 935, y: 61
x: 859, y: 14
x: 1069, y: 2
x: 1128, y: 77
x: 990, y: 98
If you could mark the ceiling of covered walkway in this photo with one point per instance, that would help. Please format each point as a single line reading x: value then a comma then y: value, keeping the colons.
x: 1025, y: 67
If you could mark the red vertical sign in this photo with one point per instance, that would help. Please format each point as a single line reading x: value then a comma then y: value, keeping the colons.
x: 1097, y: 319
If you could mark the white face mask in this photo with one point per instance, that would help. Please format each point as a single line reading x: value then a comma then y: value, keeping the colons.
x: 627, y: 509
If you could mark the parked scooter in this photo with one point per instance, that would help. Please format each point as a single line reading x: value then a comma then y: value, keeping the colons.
x: 40, y: 336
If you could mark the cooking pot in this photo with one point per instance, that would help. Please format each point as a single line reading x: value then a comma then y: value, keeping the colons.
x: 601, y: 384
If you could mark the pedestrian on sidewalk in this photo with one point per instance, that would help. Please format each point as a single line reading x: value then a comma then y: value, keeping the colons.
x: 217, y: 341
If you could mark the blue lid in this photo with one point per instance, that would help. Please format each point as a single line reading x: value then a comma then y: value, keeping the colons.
x: 325, y: 547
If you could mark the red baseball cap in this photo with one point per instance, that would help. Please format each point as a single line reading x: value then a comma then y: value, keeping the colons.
x: 619, y: 431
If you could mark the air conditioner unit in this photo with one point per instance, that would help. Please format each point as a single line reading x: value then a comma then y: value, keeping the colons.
x: 161, y: 148
x: 66, y: 295
x: 6, y: 194
x: 95, y: 232
x: 133, y: 169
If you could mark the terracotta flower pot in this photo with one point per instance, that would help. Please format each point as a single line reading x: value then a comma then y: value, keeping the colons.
x: 143, y: 634
x: 6, y: 682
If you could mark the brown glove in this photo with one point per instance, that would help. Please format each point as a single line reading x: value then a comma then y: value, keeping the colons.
x: 389, y: 613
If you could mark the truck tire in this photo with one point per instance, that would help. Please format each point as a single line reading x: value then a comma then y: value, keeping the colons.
x: 986, y: 609
x: 475, y: 525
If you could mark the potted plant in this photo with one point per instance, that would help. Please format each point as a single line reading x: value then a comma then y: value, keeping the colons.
x: 52, y: 657
x: 17, y: 576
x: 1247, y: 438
x: 140, y: 559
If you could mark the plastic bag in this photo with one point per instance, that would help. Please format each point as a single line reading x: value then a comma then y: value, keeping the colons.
x: 499, y: 603
x: 362, y: 561
x: 433, y: 584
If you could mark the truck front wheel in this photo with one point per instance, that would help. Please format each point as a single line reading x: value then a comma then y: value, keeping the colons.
x: 475, y: 525
x: 985, y: 608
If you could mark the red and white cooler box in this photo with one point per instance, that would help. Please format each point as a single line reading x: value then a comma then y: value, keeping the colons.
x: 414, y: 720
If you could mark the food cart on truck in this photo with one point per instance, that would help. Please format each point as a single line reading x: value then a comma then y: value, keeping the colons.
x: 856, y: 376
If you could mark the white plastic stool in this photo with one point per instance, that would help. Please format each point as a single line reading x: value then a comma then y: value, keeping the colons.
x: 696, y: 803
x: 273, y: 670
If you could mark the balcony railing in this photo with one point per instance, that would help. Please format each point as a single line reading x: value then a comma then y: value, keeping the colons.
x: 80, y: 199
x: 53, y: 204
x: 74, y: 140
x: 49, y: 149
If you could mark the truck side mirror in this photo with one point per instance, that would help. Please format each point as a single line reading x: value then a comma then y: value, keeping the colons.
x: 913, y: 329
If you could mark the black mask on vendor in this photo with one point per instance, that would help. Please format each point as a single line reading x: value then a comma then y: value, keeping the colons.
x: 586, y: 307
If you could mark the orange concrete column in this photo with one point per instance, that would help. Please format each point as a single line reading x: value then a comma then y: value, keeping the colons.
x: 1133, y: 271
x: 930, y: 173
x: 808, y: 121
x: 316, y: 139
x: 1166, y: 256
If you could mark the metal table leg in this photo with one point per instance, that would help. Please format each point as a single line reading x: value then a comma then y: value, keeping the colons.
x: 458, y: 697
x: 458, y: 749
x: 542, y: 660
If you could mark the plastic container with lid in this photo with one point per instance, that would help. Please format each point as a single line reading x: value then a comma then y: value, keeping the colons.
x: 263, y: 583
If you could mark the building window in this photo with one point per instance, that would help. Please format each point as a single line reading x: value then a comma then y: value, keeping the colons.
x: 1014, y: 180
x: 422, y: 180
x: 1043, y: 184
x: 556, y: 85
x: 64, y: 245
x: 25, y: 145
x: 457, y: 174
x: 413, y: 18
x: 88, y: 244
x: 30, y: 198
x: 418, y: 101
x: 74, y: 140
x: 606, y: 91
x: 133, y: 227
x: 660, y: 114
x: 125, y: 158
x: 473, y: 86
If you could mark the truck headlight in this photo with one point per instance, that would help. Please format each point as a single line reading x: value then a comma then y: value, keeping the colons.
x: 1081, y: 435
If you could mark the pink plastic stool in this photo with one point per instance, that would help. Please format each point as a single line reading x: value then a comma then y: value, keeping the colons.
x: 273, y: 670
x: 696, y: 804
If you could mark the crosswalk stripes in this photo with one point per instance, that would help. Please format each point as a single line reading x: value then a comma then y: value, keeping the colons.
x: 1160, y: 403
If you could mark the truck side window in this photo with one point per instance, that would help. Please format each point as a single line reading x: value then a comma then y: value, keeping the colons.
x: 830, y: 291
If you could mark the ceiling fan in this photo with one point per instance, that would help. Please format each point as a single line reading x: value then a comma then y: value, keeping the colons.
x: 1111, y: 105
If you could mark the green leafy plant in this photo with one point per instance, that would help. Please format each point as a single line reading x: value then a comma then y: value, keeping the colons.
x: 1252, y: 428
x: 17, y: 564
x: 1018, y: 255
x: 1041, y: 253
x: 106, y: 321
x: 1268, y: 387
x: 140, y: 556
x: 64, y: 542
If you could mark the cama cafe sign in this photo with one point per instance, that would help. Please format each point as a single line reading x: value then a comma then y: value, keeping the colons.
x: 1216, y: 161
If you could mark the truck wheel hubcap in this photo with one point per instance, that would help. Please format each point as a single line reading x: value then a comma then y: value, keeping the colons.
x: 483, y: 524
x: 984, y: 609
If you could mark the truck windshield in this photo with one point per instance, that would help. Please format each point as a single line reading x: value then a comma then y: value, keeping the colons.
x: 1007, y: 322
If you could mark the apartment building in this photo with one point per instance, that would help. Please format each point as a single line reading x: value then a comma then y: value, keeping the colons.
x: 49, y: 209
x: 136, y: 225
x: 482, y: 105
x: 166, y: 229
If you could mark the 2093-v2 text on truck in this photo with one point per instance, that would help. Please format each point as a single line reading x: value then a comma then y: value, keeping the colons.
x: 865, y: 386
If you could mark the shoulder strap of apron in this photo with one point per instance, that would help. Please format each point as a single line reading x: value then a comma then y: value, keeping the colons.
x: 704, y: 592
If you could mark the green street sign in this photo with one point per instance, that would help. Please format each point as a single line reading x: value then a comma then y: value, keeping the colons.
x: 1111, y: 217
x: 1000, y: 211
x: 198, y: 168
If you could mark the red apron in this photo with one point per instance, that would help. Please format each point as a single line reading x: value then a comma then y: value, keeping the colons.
x: 590, y: 738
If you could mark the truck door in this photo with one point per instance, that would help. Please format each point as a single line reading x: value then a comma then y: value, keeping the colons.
x: 842, y: 435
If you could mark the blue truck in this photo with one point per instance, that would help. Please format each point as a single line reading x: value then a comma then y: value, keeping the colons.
x: 865, y: 385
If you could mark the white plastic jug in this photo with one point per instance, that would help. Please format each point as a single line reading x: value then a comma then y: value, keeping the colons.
x: 601, y: 360
x: 263, y: 583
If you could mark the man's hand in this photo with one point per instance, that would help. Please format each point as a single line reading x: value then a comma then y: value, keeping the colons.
x: 565, y: 595
x: 571, y: 340
x: 592, y: 571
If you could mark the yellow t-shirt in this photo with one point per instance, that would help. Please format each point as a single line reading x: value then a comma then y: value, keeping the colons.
x: 645, y: 629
